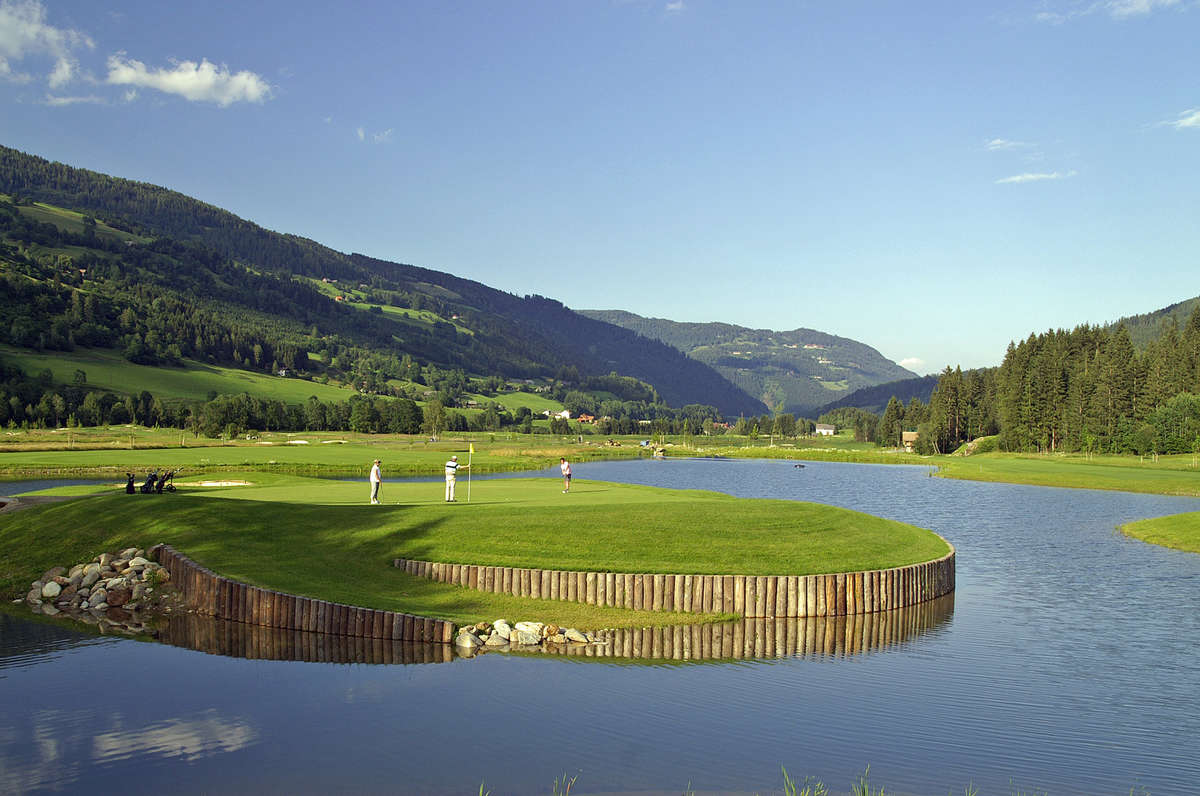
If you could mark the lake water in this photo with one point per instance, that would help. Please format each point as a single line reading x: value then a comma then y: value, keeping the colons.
x: 1065, y: 662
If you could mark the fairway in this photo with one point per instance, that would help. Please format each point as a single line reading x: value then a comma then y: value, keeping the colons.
x: 320, y: 538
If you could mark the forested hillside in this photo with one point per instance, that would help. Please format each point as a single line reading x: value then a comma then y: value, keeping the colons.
x: 875, y: 399
x: 185, y: 262
x: 1087, y: 389
x: 792, y: 371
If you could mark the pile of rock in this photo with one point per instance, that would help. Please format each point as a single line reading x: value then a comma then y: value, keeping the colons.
x: 499, y: 636
x: 112, y: 585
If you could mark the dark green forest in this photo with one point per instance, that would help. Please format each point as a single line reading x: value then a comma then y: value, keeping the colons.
x: 1089, y: 389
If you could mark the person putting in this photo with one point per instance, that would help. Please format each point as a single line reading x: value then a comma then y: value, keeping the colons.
x: 565, y: 467
x: 452, y: 476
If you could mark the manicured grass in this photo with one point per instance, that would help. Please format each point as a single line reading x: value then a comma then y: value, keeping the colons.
x: 317, y: 538
x: 1178, y: 531
x: 1169, y: 475
x: 107, y: 369
x: 107, y: 451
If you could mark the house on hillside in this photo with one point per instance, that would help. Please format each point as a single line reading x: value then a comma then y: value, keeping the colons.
x: 825, y: 430
x: 586, y: 418
x: 909, y: 439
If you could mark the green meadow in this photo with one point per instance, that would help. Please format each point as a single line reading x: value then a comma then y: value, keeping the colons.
x: 107, y: 369
x: 320, y: 538
x: 1178, y: 531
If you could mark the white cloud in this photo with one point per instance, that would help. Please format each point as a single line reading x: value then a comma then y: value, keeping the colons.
x: 1119, y: 9
x: 59, y: 102
x: 1000, y: 144
x: 197, y: 82
x: 24, y: 33
x: 1133, y: 8
x: 911, y: 363
x: 1038, y: 177
x: 674, y: 7
x: 384, y: 137
x: 1186, y: 119
x: 361, y: 133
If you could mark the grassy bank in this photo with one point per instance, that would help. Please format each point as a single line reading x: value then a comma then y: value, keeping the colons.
x: 112, y: 451
x: 317, y: 538
x: 1168, y: 475
x: 1178, y: 531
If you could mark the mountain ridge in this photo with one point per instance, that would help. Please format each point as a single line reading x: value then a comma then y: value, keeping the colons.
x: 798, y: 370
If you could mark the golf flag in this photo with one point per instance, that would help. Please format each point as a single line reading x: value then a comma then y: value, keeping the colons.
x: 471, y: 452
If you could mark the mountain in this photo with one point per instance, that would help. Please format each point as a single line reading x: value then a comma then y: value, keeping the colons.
x: 1147, y: 327
x: 364, y: 314
x: 875, y: 399
x: 795, y: 371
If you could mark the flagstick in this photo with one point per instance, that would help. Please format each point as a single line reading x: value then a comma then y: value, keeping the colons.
x: 470, y: 456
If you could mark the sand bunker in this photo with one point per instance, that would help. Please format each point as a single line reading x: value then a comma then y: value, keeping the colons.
x: 220, y: 483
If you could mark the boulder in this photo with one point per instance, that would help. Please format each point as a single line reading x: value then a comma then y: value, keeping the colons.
x: 496, y: 640
x: 53, y: 573
x: 534, y: 628
x: 500, y: 628
x: 97, y: 595
x: 574, y: 635
x: 466, y: 640
x: 35, y: 596
x: 91, y: 574
x: 129, y: 552
x: 119, y: 596
x: 527, y: 638
x: 104, y: 559
x: 51, y: 590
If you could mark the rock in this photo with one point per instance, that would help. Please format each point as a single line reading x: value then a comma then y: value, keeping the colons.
x: 526, y: 638
x: 551, y: 630
x: 574, y: 635
x: 35, y: 596
x: 91, y: 574
x: 50, y: 610
x: 104, y: 559
x: 76, y: 570
x: 119, y: 596
x: 129, y: 552
x: 534, y: 628
x: 557, y: 638
x: 496, y: 640
x: 500, y: 628
x: 67, y: 593
x: 51, y: 590
x: 139, y: 591
x: 97, y: 595
x: 139, y: 563
x: 99, y: 606
x: 53, y: 573
x: 61, y: 580
x: 466, y: 640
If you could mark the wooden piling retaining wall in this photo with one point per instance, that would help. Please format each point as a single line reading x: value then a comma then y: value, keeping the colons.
x: 751, y: 596
x: 213, y: 595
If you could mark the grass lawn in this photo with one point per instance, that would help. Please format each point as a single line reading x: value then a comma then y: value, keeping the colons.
x: 1178, y: 531
x: 108, y: 451
x: 319, y: 538
x: 107, y: 369
x: 1169, y: 475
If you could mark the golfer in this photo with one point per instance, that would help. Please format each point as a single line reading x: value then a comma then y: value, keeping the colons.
x: 376, y: 479
x: 452, y: 475
x: 565, y: 467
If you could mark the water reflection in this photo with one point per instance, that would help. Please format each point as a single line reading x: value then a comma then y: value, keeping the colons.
x: 838, y: 636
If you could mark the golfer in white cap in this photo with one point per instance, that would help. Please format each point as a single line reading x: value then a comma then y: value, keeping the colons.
x: 452, y: 475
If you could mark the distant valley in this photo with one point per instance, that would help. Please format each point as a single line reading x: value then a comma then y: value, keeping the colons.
x: 797, y: 371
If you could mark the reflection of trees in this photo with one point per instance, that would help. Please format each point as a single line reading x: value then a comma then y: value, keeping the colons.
x: 836, y: 636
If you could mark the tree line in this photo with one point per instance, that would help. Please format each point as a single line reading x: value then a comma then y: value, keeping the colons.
x: 1088, y: 389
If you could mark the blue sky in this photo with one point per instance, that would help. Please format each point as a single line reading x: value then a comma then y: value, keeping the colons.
x: 934, y: 179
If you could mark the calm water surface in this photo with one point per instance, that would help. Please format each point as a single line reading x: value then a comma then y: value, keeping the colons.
x: 1066, y: 662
